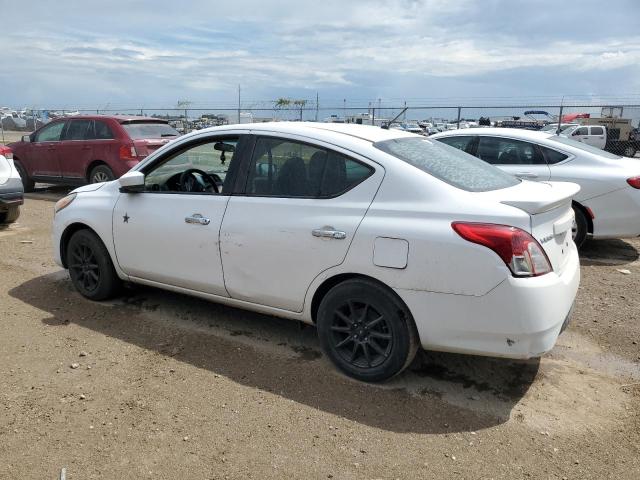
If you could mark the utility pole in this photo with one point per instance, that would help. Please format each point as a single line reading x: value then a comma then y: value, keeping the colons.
x: 238, y: 103
x: 459, y: 113
x: 559, y: 129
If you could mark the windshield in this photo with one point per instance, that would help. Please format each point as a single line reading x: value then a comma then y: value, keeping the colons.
x: 585, y: 147
x: 448, y: 164
x: 140, y: 130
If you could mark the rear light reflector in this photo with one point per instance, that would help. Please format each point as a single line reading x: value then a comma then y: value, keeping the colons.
x: 128, y: 152
x: 518, y: 250
x: 634, y: 182
x: 6, y: 152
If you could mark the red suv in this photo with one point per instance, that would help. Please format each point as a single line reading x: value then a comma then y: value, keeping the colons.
x: 87, y: 149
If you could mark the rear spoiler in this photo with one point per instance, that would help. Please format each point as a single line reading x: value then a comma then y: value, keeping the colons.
x: 557, y: 194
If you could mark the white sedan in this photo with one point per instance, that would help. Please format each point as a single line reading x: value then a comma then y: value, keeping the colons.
x: 385, y: 240
x: 608, y: 204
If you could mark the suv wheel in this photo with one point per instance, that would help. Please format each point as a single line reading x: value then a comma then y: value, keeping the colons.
x: 10, y: 215
x: 27, y: 183
x: 366, y: 331
x: 90, y: 266
x: 101, y: 173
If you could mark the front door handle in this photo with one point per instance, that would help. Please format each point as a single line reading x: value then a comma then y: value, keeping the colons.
x: 526, y: 175
x: 197, y: 219
x: 329, y: 232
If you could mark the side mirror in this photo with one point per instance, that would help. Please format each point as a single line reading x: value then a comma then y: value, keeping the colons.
x: 26, y: 138
x: 131, y: 182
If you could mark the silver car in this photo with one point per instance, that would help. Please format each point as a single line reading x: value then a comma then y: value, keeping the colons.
x: 11, y: 192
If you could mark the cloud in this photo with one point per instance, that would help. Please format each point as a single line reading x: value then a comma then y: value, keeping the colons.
x: 130, y: 51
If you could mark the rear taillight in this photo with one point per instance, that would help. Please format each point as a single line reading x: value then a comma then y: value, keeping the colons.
x: 6, y: 152
x: 634, y: 182
x: 518, y: 250
x: 128, y: 152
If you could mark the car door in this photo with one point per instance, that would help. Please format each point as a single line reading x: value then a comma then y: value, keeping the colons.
x: 597, y: 136
x: 518, y: 157
x: 296, y: 218
x: 74, y: 150
x: 43, y: 151
x: 169, y: 232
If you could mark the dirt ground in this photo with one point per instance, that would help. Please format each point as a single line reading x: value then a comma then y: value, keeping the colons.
x: 159, y: 385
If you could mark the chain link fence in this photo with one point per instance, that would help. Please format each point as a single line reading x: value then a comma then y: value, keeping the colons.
x: 610, y: 127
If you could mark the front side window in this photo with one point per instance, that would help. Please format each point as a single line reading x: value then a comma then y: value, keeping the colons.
x: 200, y: 168
x: 284, y: 168
x: 78, y: 130
x: 461, y: 142
x: 506, y: 151
x: 581, y: 131
x: 50, y: 133
x: 448, y: 164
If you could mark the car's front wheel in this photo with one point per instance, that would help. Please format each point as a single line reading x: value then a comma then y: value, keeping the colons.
x: 101, y: 173
x: 366, y: 331
x: 90, y: 266
x: 10, y: 215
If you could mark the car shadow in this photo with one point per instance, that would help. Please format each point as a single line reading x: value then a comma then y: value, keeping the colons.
x: 608, y: 252
x: 51, y: 193
x: 439, y: 393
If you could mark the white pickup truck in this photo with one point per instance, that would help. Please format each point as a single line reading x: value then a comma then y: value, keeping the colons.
x: 594, y: 135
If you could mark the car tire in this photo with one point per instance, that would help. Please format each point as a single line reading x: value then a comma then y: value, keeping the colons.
x: 10, y: 215
x: 366, y: 330
x: 629, y: 151
x: 101, y: 173
x: 580, y: 227
x: 27, y: 183
x: 90, y: 267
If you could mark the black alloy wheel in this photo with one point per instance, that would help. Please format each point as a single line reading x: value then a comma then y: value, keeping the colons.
x: 84, y: 267
x: 366, y: 330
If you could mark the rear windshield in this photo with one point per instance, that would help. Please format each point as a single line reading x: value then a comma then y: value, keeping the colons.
x: 448, y: 164
x: 584, y: 146
x: 140, y: 130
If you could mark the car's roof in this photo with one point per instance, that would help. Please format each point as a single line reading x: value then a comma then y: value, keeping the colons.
x: 521, y: 133
x: 119, y: 118
x: 367, y: 133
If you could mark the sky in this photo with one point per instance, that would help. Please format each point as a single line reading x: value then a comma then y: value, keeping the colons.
x: 156, y: 53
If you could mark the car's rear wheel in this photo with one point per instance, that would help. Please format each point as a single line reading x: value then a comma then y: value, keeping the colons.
x: 90, y: 266
x: 27, y: 183
x: 10, y: 215
x: 101, y: 173
x: 366, y: 331
x: 580, y: 227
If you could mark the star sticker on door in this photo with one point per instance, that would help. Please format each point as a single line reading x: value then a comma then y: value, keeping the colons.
x: 125, y: 218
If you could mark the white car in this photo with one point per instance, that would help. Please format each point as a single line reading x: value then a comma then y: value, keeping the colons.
x: 608, y: 204
x: 11, y: 191
x: 383, y: 239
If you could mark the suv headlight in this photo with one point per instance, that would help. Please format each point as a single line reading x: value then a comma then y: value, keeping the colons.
x: 64, y: 202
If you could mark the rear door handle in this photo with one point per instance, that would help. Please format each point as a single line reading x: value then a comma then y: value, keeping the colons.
x: 86, y: 147
x: 197, y: 219
x: 329, y: 232
x: 526, y: 175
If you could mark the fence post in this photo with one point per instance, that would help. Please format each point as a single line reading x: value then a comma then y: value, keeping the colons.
x: 373, y: 116
x: 459, y: 113
x: 559, y: 129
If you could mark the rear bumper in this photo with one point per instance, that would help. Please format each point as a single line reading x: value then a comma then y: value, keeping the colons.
x: 520, y: 318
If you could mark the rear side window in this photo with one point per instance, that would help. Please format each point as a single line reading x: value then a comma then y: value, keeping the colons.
x: 50, y: 133
x: 78, y: 130
x: 284, y: 168
x: 597, y: 131
x: 553, y: 156
x: 102, y: 131
x: 142, y: 130
x: 506, y: 151
x: 448, y: 164
x: 464, y: 143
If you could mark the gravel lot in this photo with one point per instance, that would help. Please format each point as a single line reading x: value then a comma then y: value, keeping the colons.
x: 159, y: 385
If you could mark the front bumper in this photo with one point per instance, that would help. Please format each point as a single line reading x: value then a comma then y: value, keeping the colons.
x: 520, y: 318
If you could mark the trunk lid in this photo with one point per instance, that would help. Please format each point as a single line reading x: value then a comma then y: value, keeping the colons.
x: 549, y: 207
